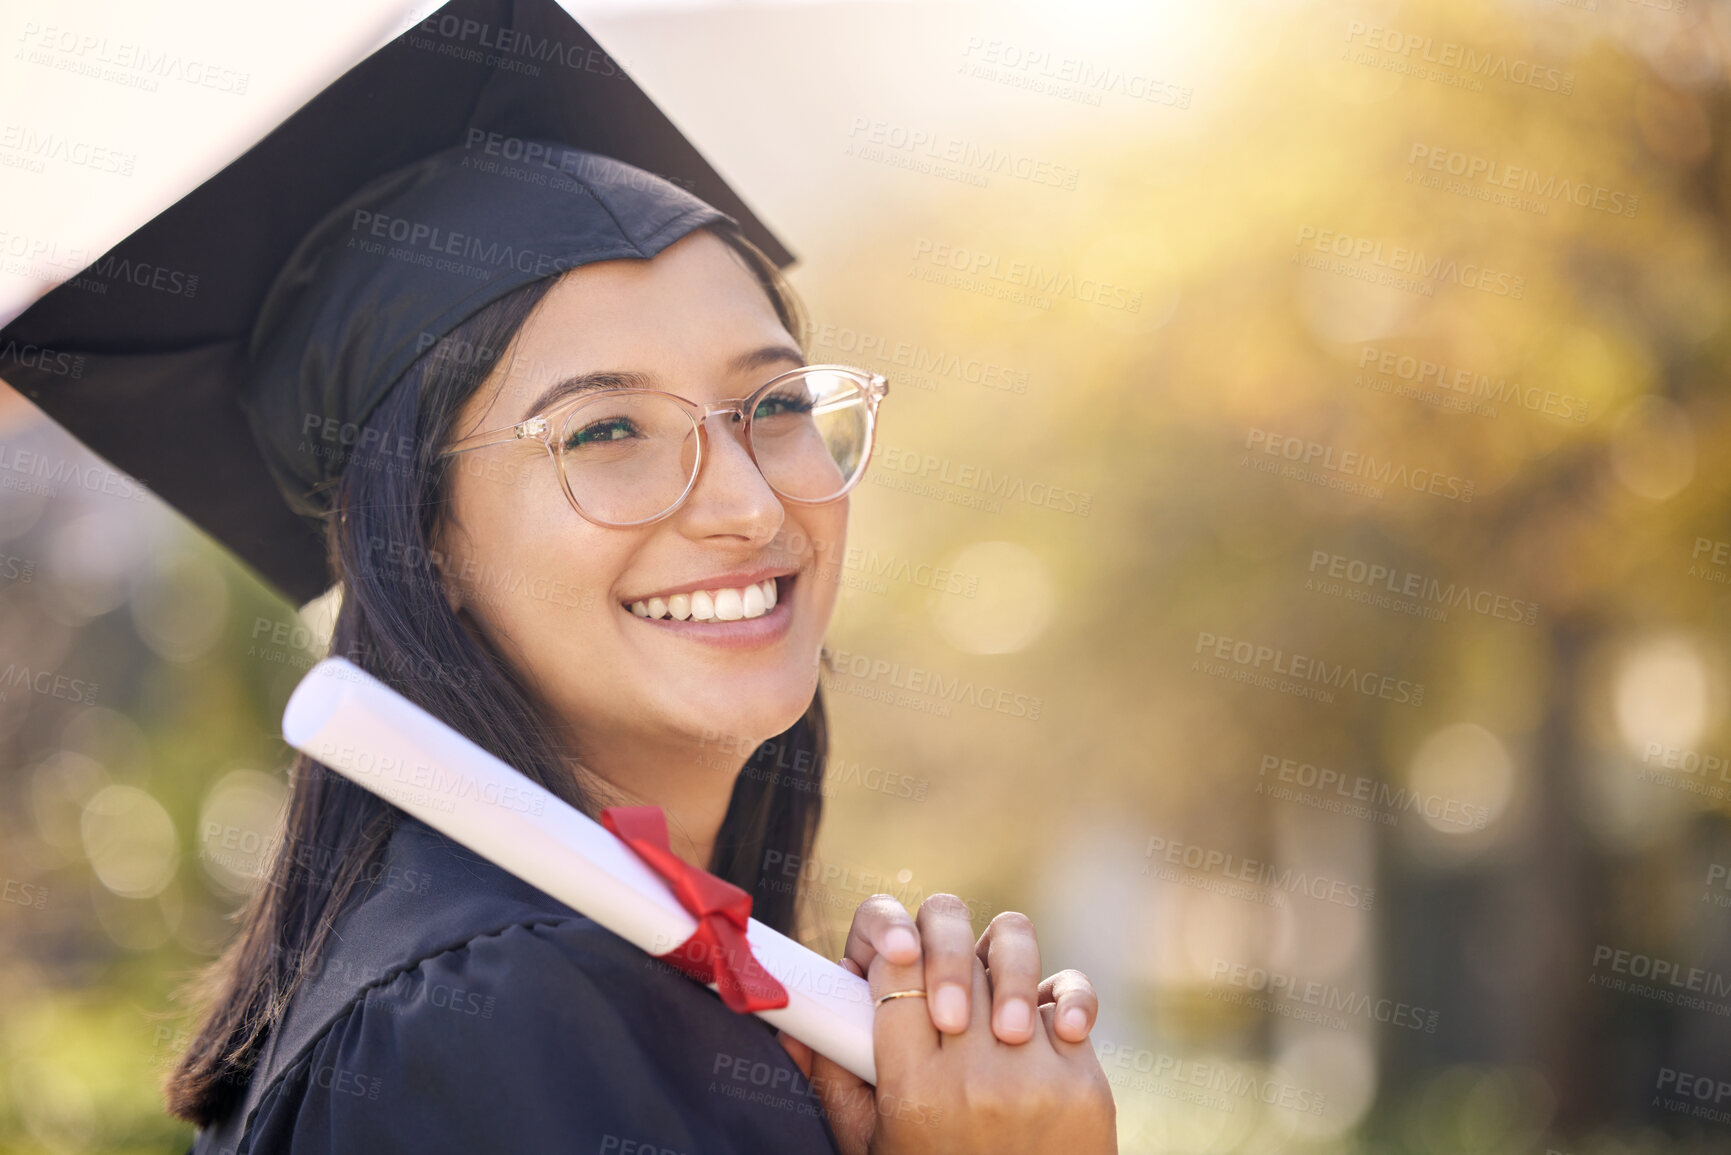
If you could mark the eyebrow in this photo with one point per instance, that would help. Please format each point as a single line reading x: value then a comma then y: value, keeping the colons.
x: 633, y: 379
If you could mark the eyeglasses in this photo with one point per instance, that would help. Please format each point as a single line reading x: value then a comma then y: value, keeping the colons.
x: 629, y: 457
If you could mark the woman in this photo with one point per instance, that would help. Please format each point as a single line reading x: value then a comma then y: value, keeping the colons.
x: 530, y: 547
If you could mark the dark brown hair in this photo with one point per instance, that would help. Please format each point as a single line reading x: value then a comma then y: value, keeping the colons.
x: 395, y: 623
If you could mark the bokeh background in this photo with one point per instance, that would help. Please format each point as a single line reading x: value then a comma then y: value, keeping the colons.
x: 1293, y: 569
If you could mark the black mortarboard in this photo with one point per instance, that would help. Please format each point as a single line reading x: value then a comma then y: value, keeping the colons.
x: 194, y: 353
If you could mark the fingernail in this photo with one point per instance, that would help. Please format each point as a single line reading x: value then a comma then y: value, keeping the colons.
x: 1075, y: 1021
x: 951, y: 1007
x: 1014, y: 1016
x: 900, y: 940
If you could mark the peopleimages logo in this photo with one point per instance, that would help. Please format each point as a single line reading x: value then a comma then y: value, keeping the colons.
x: 920, y: 148
x: 1400, y: 259
x: 1355, y: 469
x: 442, y: 249
x: 27, y: 356
x: 144, y: 274
x: 1231, y: 1080
x: 47, y: 683
x: 20, y: 893
x: 988, y: 267
x: 1368, y: 582
x: 1326, y: 1001
x: 1694, y: 1092
x: 1088, y: 76
x: 133, y: 64
x: 494, y: 45
x: 945, y: 690
x: 988, y: 485
x: 429, y: 785
x: 1295, y: 668
x: 1473, y: 63
x: 34, y: 149
x: 1209, y: 860
x: 1665, y: 980
x: 1381, y: 801
x: 1474, y: 170
x: 919, y: 357
x: 1480, y: 386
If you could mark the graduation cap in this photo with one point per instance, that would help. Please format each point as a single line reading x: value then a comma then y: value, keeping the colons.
x: 494, y: 140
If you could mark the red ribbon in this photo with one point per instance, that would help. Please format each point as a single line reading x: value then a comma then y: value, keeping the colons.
x: 717, y: 951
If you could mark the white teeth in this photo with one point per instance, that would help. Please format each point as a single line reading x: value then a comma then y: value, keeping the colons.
x: 725, y: 604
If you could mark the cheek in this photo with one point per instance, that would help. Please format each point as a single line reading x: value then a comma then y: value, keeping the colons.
x: 826, y: 527
x: 530, y: 566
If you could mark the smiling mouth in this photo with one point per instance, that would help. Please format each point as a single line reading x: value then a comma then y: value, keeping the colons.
x: 723, y: 604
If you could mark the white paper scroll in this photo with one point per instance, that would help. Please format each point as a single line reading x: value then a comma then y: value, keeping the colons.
x: 358, y: 726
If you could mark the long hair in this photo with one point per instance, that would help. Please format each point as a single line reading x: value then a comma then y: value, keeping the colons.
x: 395, y: 623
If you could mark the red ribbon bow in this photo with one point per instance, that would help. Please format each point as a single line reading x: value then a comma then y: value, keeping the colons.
x: 717, y: 951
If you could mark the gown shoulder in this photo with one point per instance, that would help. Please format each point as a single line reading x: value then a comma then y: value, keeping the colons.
x: 521, y: 1026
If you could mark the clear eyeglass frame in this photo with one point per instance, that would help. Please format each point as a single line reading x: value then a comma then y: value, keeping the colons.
x: 546, y: 426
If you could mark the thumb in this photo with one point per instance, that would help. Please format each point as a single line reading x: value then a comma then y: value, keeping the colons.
x: 849, y: 1102
x: 800, y: 1053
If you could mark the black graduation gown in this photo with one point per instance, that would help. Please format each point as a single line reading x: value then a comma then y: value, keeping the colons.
x: 462, y: 1010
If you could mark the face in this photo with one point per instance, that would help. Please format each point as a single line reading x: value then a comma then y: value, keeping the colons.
x: 516, y: 555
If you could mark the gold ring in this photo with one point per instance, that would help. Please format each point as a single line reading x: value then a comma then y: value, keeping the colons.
x: 898, y: 995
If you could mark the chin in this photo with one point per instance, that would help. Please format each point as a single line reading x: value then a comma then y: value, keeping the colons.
x: 753, y: 718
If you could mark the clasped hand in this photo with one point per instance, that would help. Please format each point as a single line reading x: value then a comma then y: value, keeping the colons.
x: 993, y: 1059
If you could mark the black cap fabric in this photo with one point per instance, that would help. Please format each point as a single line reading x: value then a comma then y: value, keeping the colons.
x: 409, y: 258
x: 495, y: 137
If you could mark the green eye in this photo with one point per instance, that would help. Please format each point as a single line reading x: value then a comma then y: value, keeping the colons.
x: 607, y: 429
x: 781, y: 404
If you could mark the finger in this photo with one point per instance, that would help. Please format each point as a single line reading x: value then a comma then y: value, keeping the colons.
x: 979, y: 1033
x: 848, y: 1101
x: 882, y: 925
x: 1065, y: 1048
x: 1011, y: 955
x: 799, y: 1051
x: 1075, y: 1006
x: 902, y: 1033
x: 947, y: 940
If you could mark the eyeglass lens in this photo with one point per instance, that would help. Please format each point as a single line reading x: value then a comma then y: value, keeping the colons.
x: 628, y: 458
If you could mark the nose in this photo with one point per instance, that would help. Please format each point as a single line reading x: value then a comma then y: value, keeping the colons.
x: 731, y: 497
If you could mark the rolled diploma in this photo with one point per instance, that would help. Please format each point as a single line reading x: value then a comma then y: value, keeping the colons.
x: 364, y: 730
